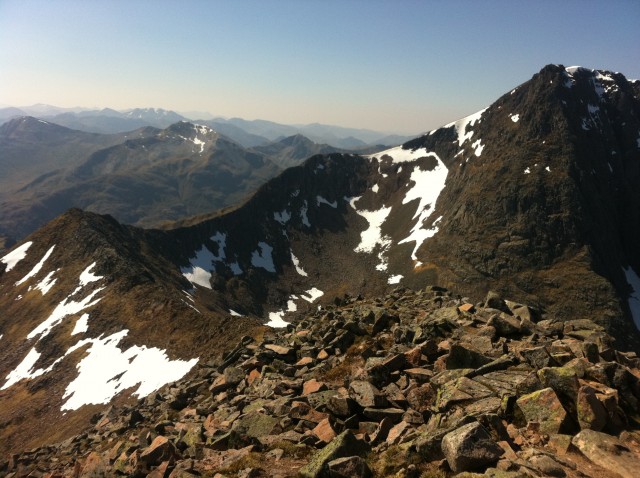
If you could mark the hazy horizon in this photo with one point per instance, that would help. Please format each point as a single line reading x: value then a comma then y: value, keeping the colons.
x: 399, y: 67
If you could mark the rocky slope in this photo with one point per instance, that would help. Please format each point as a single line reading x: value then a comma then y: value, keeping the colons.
x: 411, y: 384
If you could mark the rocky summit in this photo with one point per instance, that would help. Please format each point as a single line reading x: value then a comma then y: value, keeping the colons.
x: 534, y: 198
x: 412, y: 384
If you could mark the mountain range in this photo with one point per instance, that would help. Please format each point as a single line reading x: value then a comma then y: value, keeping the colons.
x: 247, y: 133
x: 533, y: 197
x: 146, y: 177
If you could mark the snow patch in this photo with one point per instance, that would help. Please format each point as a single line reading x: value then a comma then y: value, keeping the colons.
x: 395, y: 279
x: 478, y: 147
x: 63, y: 309
x: 312, y: 295
x: 47, y: 283
x: 198, y: 272
x: 106, y: 370
x: 296, y: 264
x: 303, y: 214
x: 263, y: 258
x: 372, y: 236
x: 37, y: 267
x: 461, y: 126
x: 276, y: 320
x: 82, y: 325
x: 234, y: 313
x: 87, y: 277
x: 16, y: 256
x: 527, y: 171
x: 515, y: 118
x: 282, y: 217
x: 25, y: 369
x: 547, y: 169
x: 235, y: 268
x: 321, y: 200
x: 375, y: 188
x: 200, y: 266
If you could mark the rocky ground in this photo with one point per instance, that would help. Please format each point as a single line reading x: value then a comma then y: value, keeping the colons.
x: 414, y: 384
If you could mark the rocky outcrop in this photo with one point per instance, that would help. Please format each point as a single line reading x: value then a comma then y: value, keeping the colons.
x: 440, y: 389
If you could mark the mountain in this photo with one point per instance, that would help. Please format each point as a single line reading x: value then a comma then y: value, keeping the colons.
x: 289, y: 152
x: 236, y: 133
x: 10, y: 113
x: 109, y: 121
x: 151, y: 177
x: 336, y: 136
x: 533, y: 198
x: 30, y: 147
x: 244, y: 132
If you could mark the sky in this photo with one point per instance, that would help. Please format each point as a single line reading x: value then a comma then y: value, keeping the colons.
x: 401, y: 66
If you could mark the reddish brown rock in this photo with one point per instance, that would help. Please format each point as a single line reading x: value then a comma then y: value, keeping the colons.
x: 543, y: 407
x: 313, y: 386
x: 324, y: 431
x: 161, y: 449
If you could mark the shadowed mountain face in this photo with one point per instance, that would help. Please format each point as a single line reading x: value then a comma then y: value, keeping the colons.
x: 533, y: 197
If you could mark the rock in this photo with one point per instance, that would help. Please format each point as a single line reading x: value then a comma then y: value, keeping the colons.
x: 463, y: 357
x: 461, y: 390
x: 538, y: 357
x: 608, y: 452
x: 378, y: 414
x: 470, y: 448
x: 278, y: 349
x: 342, y: 407
x: 349, y: 467
x: 380, y: 372
x: 383, y: 320
x: 469, y: 308
x: 397, y: 432
x: 366, y: 394
x: 161, y: 449
x: 312, y: 386
x: 95, y: 466
x: 563, y: 381
x: 344, y: 445
x: 493, y: 300
x: 324, y: 431
x: 591, y: 412
x: 421, y: 398
x: 543, y: 407
x: 304, y: 361
x: 505, y: 325
x: 256, y: 424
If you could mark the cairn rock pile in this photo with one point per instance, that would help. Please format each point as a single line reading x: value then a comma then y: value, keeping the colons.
x: 414, y: 384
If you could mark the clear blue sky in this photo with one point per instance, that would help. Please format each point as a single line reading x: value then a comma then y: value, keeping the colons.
x: 397, y: 66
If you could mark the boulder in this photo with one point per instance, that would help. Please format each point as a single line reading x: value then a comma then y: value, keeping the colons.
x: 344, y: 445
x: 161, y: 449
x: 543, y: 407
x: 470, y: 448
x: 608, y: 452
x: 366, y: 394
x: 349, y: 467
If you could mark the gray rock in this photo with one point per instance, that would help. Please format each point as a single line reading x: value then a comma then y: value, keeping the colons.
x: 349, y: 467
x: 470, y: 448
